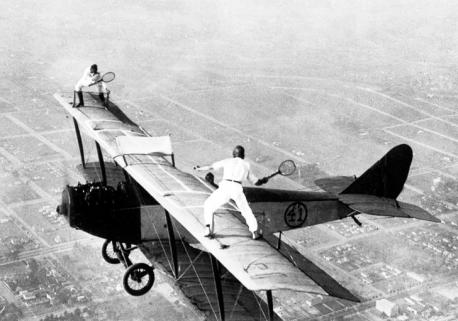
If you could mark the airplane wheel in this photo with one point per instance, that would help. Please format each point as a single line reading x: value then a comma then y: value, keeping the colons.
x: 108, y: 252
x: 138, y: 279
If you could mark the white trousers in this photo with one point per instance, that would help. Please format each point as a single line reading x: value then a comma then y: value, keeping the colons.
x: 225, y: 192
x: 84, y: 83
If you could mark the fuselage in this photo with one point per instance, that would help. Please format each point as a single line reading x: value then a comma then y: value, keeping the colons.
x: 140, y: 218
x: 280, y: 210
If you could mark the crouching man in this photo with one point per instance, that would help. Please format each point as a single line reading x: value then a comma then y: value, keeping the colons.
x: 90, y: 77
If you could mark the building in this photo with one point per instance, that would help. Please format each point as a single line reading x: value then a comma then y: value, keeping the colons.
x: 416, y: 277
x: 387, y: 307
x: 449, y: 293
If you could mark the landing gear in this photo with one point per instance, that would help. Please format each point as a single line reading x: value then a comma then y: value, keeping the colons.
x: 138, y: 278
x: 110, y: 252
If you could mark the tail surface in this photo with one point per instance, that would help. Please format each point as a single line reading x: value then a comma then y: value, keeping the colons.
x: 376, y: 190
x: 386, y: 177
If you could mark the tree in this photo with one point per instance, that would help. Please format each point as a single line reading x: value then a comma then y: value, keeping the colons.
x: 63, y: 296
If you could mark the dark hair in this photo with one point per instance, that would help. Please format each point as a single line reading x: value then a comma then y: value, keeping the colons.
x: 94, y: 67
x: 239, y: 151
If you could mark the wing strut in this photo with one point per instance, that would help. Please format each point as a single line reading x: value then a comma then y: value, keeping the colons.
x: 270, y: 304
x: 172, y: 244
x: 102, y: 163
x: 279, y: 240
x: 80, y: 142
x: 216, y: 268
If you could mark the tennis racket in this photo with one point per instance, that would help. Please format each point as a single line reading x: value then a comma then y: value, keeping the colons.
x: 107, y: 77
x: 286, y: 168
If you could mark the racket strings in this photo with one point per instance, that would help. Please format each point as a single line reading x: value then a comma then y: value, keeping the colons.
x: 109, y: 76
x: 287, y: 168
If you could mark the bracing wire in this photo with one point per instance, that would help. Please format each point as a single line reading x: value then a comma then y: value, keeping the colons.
x: 261, y: 310
x: 194, y: 269
x: 139, y: 195
x: 236, y: 301
x: 192, y: 263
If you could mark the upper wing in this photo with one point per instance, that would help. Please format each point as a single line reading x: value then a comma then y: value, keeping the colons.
x: 256, y: 264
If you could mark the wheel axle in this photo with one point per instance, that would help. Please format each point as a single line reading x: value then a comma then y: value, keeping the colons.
x: 138, y: 278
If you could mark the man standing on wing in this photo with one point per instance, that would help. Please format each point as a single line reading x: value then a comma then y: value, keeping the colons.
x: 236, y: 170
x: 90, y: 77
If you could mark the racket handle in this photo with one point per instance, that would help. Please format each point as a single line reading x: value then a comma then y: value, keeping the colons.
x: 272, y: 175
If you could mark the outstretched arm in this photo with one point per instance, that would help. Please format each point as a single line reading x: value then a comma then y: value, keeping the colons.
x: 203, y: 168
x: 214, y: 166
x: 256, y: 181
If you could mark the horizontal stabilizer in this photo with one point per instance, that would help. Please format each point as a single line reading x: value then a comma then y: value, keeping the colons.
x: 335, y: 184
x: 375, y: 205
x: 418, y: 213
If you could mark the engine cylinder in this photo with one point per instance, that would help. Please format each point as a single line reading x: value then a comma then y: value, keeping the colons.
x: 102, y: 211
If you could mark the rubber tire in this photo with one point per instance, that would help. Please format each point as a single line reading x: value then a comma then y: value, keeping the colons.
x: 131, y: 269
x: 106, y: 256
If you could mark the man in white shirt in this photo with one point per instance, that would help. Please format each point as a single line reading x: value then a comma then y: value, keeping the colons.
x: 236, y: 170
x: 90, y: 77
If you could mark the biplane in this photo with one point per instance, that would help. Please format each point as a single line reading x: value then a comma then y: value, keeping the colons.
x: 156, y: 200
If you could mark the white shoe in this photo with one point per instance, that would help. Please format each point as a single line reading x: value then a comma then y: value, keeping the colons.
x: 256, y: 235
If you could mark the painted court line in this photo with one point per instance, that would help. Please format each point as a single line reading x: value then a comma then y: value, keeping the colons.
x: 407, y: 105
x: 209, y: 89
x: 292, y: 77
x: 425, y: 119
x: 289, y: 154
x: 354, y: 102
x: 423, y: 129
x: 201, y: 138
x: 428, y: 170
x: 402, y: 121
x: 422, y: 144
x: 209, y: 118
x: 39, y: 137
x: 160, y: 118
x: 5, y: 101
x: 305, y: 101
x: 435, y: 105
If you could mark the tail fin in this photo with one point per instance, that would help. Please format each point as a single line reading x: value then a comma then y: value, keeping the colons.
x: 375, y: 191
x: 386, y: 177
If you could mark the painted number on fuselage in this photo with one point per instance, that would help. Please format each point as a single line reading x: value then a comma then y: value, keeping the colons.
x: 295, y: 214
